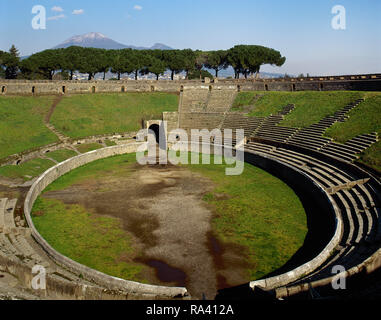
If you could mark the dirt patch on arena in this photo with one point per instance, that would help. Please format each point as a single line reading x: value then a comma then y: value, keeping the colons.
x: 162, y: 207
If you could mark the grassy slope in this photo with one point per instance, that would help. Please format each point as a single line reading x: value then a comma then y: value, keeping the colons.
x: 62, y: 154
x: 21, y: 124
x: 363, y: 119
x: 271, y: 228
x: 83, y: 148
x: 110, y: 143
x: 27, y: 170
x: 85, y: 115
x: 311, y: 106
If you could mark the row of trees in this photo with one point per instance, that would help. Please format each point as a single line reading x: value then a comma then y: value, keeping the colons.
x: 245, y: 60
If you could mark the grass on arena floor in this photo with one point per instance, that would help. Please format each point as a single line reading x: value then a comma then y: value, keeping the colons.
x: 257, y: 211
x: 96, y: 241
x: 27, y: 170
x: 271, y: 228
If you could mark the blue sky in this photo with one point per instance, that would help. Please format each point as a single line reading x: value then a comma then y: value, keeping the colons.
x: 301, y: 30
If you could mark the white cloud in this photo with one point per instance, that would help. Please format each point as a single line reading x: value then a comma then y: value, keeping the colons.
x: 78, y: 11
x: 57, y: 9
x: 137, y: 7
x: 61, y: 16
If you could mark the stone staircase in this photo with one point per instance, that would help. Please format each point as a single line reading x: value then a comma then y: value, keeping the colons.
x: 194, y: 100
x: 236, y: 121
x: 204, y: 108
x: 269, y: 129
x: 220, y: 101
x: 312, y: 136
x: 60, y: 136
x: 349, y: 150
x: 358, y: 202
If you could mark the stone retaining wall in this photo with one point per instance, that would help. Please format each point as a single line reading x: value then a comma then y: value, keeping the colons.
x: 109, y: 282
x: 368, y: 266
x: 35, y: 87
x: 266, y: 162
x: 287, y: 174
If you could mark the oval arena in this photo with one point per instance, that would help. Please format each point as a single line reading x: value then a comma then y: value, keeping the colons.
x: 340, y: 194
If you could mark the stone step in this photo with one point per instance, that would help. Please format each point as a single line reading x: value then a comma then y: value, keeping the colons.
x: 309, y: 141
x: 9, y: 220
x: 279, y: 129
x: 340, y: 151
x: 357, y: 144
x: 340, y: 156
x: 303, y: 136
x: 28, y: 255
x: 371, y: 136
x: 364, y: 140
x: 303, y: 145
x: 3, y: 203
x: 345, y: 147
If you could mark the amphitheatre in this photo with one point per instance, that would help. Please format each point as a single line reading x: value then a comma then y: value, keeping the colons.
x: 74, y: 201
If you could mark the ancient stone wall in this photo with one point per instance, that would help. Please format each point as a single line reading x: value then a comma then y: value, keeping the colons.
x: 25, y: 87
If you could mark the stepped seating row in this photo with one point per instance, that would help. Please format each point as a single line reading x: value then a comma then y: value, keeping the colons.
x: 236, y: 121
x: 13, y: 240
x: 204, y: 100
x: 359, y: 207
x: 205, y: 109
x: 287, y: 109
x: 348, y: 151
x: 220, y: 100
x: 269, y: 129
x: 200, y: 121
x: 312, y: 136
x: 194, y: 100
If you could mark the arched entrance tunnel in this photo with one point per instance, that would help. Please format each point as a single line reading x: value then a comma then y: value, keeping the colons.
x: 158, y: 130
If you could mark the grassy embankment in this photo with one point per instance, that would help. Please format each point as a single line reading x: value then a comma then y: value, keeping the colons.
x: 311, y: 107
x: 22, y: 123
x: 366, y: 118
x: 81, y: 116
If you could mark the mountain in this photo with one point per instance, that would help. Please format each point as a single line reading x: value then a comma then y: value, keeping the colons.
x: 98, y: 40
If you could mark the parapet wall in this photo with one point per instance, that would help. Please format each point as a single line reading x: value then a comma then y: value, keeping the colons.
x: 269, y: 163
x: 352, y: 82
x: 152, y: 291
x: 109, y: 282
